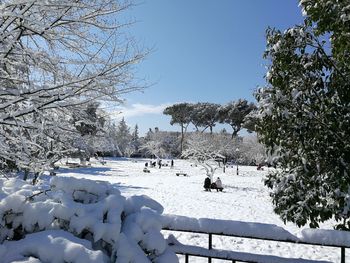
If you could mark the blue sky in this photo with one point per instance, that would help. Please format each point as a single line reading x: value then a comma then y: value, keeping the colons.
x: 203, y: 51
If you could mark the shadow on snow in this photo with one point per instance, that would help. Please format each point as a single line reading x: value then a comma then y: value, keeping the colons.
x: 88, y: 170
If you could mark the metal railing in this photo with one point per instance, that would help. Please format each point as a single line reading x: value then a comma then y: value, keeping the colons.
x: 210, y: 244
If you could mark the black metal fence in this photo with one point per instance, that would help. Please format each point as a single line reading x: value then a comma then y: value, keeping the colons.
x: 236, y: 257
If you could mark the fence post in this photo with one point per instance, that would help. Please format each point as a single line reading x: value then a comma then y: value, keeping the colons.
x: 186, y: 258
x: 210, y: 245
x: 342, y: 255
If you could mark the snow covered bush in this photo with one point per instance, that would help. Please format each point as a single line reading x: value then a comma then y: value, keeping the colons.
x: 78, y: 220
x: 305, y: 115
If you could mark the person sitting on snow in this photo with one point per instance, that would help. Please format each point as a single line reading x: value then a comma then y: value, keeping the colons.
x: 207, y: 184
x: 218, y: 184
x: 260, y: 167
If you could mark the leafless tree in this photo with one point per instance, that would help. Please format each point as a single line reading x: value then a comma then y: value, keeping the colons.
x: 203, y: 149
x: 56, y: 55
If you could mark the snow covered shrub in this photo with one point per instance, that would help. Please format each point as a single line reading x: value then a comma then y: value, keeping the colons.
x: 78, y: 220
x: 305, y: 115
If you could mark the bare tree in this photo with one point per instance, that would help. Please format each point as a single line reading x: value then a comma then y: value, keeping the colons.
x: 204, y: 149
x: 251, y: 151
x: 154, y: 148
x: 161, y: 144
x: 57, y: 55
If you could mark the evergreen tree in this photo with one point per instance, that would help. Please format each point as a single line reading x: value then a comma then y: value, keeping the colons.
x: 305, y: 115
x: 205, y: 115
x: 149, y: 134
x: 180, y: 114
x: 123, y: 137
x: 234, y: 114
x: 135, y: 140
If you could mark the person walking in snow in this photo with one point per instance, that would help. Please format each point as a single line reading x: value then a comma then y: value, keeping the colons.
x: 218, y: 184
x: 172, y: 163
x: 207, y: 184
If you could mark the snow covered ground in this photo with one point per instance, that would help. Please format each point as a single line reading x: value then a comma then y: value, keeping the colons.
x: 245, y: 198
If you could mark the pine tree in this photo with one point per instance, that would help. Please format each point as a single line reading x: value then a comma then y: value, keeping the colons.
x: 180, y: 114
x: 204, y: 115
x: 123, y: 137
x: 234, y: 114
x: 135, y: 140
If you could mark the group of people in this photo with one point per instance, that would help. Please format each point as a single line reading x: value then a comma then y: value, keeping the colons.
x: 159, y: 163
x: 208, y: 185
x: 260, y: 167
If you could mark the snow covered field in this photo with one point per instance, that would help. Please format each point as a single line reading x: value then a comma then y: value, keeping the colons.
x: 245, y: 198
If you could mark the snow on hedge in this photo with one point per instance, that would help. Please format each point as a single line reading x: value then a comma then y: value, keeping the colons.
x: 52, y: 246
x: 78, y: 220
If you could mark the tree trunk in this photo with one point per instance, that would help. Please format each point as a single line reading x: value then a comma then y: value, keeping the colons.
x: 236, y: 129
x: 235, y: 132
x: 182, y: 138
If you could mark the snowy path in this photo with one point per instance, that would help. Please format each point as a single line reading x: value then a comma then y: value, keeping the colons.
x: 244, y: 198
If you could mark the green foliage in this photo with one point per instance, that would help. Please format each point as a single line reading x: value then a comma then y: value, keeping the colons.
x: 238, y: 115
x: 205, y: 115
x: 305, y: 116
x: 333, y: 17
x: 179, y: 113
x: 250, y: 121
x: 234, y: 114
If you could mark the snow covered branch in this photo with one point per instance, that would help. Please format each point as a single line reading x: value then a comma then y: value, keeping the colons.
x: 56, y: 56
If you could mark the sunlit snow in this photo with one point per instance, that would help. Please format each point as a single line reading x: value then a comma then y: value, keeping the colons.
x: 244, y: 198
